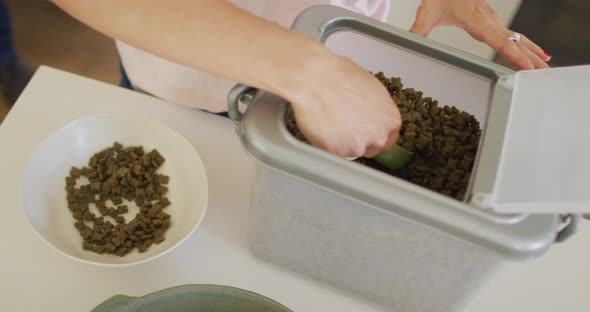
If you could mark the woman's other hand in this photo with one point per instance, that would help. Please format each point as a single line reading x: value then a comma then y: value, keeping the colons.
x: 480, y: 20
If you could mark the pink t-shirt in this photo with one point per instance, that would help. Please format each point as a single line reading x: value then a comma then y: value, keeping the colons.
x: 184, y: 85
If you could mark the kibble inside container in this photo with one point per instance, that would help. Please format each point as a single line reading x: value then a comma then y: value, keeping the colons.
x: 443, y: 139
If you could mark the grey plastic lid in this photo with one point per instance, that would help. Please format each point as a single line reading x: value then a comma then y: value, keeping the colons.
x: 544, y: 165
x: 265, y: 136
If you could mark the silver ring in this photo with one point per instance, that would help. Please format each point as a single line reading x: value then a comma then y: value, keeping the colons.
x: 515, y: 37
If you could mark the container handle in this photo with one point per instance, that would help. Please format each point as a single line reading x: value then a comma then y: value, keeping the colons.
x: 239, y: 94
x: 571, y: 224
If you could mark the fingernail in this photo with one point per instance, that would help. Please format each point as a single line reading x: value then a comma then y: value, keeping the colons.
x: 548, y: 55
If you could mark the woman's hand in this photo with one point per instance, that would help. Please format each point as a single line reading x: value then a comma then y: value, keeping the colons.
x: 342, y: 108
x: 479, y: 19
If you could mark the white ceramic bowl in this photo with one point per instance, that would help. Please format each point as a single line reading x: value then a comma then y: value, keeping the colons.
x: 44, y: 195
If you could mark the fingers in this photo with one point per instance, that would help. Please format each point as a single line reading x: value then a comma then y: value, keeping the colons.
x: 424, y: 23
x: 533, y: 47
x: 392, y: 141
x: 533, y: 52
x: 386, y: 146
x: 511, y: 51
x: 537, y: 61
x: 376, y: 146
x: 372, y: 151
x: 498, y: 39
x: 356, y: 145
x: 524, y: 54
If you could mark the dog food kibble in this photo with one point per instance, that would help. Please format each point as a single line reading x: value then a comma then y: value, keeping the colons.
x: 114, y: 174
x: 444, y: 141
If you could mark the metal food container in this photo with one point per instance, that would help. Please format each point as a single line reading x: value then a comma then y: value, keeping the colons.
x: 395, y: 244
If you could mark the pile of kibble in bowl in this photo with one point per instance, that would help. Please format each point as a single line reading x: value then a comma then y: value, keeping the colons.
x: 444, y: 141
x: 113, y: 175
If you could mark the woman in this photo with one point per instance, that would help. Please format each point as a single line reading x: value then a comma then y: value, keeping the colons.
x: 209, y: 43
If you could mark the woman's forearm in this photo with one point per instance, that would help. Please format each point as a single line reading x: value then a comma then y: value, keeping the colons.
x: 340, y: 107
x: 210, y: 35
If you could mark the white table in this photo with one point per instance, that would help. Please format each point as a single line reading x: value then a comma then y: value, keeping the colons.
x: 34, y: 277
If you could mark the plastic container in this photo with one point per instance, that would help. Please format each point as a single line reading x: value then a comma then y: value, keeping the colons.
x: 370, y: 234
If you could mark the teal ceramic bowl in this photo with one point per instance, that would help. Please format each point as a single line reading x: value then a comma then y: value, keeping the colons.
x: 197, y: 298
